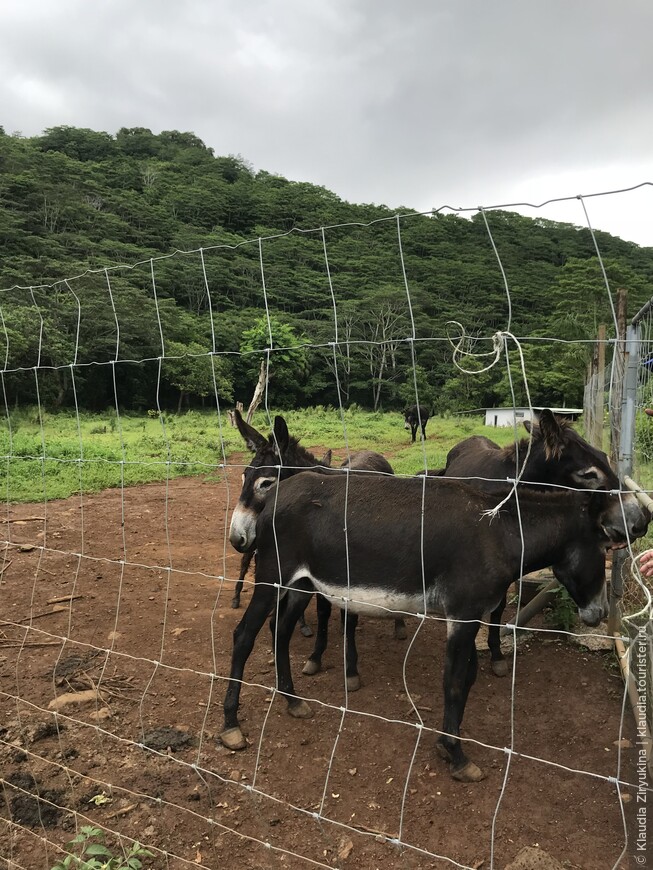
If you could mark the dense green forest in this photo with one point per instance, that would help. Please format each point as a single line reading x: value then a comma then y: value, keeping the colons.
x: 144, y: 270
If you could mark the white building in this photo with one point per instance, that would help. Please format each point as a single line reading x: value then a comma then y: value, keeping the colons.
x: 512, y: 416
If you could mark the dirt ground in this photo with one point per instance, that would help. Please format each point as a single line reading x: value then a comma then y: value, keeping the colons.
x: 150, y: 628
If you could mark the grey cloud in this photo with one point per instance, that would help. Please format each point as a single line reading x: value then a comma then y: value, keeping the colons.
x: 415, y: 103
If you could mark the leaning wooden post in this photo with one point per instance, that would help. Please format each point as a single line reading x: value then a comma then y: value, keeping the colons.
x: 594, y: 392
x: 600, y: 387
x: 589, y: 399
x: 258, y: 392
x: 544, y: 597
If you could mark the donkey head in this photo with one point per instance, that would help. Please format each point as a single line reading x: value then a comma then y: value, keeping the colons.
x: 561, y: 456
x: 615, y: 519
x: 275, y: 458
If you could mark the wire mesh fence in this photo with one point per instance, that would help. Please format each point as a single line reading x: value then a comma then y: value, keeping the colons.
x: 117, y: 629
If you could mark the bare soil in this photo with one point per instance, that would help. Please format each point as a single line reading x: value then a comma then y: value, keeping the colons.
x: 150, y: 627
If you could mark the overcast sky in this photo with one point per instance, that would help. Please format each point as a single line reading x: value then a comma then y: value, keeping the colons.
x: 420, y: 103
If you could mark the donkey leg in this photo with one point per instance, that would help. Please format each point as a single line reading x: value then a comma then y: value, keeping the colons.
x: 470, y: 676
x: 277, y: 612
x: 314, y: 661
x: 304, y: 627
x: 400, y: 629
x: 350, y: 624
x: 498, y: 662
x: 245, y: 635
x: 460, y: 670
x: 244, y: 568
x: 297, y: 601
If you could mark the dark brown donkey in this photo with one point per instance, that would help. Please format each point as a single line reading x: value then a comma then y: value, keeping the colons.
x: 279, y: 457
x: 427, y: 546
x: 558, y: 457
x: 416, y: 417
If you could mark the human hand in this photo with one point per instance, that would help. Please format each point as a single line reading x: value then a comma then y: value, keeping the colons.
x: 646, y: 563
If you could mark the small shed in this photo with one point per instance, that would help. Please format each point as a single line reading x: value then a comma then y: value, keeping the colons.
x: 512, y: 416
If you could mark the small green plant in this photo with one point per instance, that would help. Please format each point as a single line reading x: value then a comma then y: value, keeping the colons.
x: 561, y: 614
x: 100, y: 800
x: 92, y: 854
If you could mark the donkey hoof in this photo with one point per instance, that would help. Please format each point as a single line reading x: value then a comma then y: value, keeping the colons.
x: 353, y: 683
x: 233, y: 738
x: 469, y: 773
x: 500, y: 668
x: 235, y: 603
x: 401, y: 632
x: 306, y: 630
x: 311, y: 668
x: 300, y: 710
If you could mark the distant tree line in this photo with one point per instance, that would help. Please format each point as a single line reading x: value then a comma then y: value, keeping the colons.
x: 181, y: 329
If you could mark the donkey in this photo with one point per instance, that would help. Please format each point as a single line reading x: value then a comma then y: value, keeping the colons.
x: 426, y: 546
x: 558, y: 457
x: 261, y: 475
x: 253, y: 438
x: 416, y: 416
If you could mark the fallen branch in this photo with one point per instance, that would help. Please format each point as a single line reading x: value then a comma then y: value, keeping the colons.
x: 23, y: 520
x: 73, y: 699
x: 61, y: 598
x: 8, y: 644
x: 45, y: 613
x: 411, y: 710
x: 121, y: 812
x: 374, y: 831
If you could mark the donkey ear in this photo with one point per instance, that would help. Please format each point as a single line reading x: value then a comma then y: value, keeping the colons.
x: 326, y: 459
x: 251, y: 437
x: 281, y: 434
x: 553, y: 434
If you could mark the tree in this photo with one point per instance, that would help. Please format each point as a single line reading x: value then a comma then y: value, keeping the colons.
x: 193, y: 372
x: 81, y: 144
x: 286, y: 361
x: 73, y: 199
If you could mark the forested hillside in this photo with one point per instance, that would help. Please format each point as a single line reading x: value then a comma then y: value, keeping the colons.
x: 74, y: 199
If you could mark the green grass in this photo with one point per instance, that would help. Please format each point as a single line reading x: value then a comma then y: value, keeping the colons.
x: 323, y: 427
x: 47, y: 455
x: 56, y: 455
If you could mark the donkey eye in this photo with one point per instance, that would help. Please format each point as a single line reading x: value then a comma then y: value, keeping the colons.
x: 590, y: 474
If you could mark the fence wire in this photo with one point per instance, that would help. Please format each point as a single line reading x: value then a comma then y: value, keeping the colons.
x: 93, y: 733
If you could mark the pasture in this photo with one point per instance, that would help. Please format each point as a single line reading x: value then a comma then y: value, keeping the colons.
x: 64, y: 453
x: 123, y: 592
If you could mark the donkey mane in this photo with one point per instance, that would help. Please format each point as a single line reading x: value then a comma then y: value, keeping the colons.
x: 294, y: 451
x: 528, y: 493
x: 519, y: 448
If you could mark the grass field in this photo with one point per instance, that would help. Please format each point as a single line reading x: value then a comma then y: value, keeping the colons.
x: 48, y: 456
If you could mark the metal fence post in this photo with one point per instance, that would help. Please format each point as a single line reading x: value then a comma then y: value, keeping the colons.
x: 625, y: 460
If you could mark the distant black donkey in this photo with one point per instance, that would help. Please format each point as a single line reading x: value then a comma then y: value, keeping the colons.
x: 416, y: 416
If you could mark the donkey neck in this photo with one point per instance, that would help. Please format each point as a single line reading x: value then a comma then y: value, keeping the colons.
x: 296, y: 458
x: 551, y: 523
x: 536, y: 469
